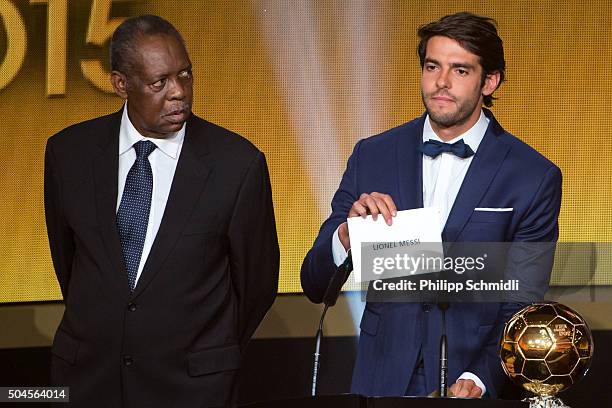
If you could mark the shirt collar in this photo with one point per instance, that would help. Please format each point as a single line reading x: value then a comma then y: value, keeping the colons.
x: 472, y: 137
x: 128, y: 136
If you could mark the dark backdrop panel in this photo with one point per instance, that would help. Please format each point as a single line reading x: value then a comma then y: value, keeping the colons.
x: 282, y: 368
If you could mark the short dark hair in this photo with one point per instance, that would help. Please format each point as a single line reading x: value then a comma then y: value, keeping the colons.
x: 476, y: 34
x: 122, y: 46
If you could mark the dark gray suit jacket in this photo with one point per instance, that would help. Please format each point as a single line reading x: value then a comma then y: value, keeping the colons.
x: 209, y: 279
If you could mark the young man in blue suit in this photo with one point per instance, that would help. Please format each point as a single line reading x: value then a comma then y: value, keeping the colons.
x: 491, y: 187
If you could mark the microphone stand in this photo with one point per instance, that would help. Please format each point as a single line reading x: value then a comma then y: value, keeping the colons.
x: 315, y: 370
x: 443, y: 306
x: 329, y: 299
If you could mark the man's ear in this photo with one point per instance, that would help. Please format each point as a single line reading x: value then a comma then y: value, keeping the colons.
x: 119, y: 82
x: 491, y: 83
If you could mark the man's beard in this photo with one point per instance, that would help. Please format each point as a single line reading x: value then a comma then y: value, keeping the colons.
x: 464, y: 110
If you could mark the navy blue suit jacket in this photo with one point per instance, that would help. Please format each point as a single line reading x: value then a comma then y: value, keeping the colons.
x: 504, y: 173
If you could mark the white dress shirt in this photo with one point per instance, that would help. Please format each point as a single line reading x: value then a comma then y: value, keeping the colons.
x: 442, y: 179
x: 163, y: 164
x: 443, y: 176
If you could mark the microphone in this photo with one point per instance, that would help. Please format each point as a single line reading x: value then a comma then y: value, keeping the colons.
x: 329, y: 299
x: 443, y: 306
x: 338, y: 279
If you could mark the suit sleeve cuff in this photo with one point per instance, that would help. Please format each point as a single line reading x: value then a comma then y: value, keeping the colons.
x: 470, y: 376
x: 339, y: 253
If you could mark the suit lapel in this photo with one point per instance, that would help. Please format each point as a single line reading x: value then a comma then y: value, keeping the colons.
x: 410, y: 166
x: 485, y: 164
x: 187, y: 185
x: 106, y: 169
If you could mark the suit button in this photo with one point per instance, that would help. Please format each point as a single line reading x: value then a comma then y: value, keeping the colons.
x: 426, y: 307
x: 128, y: 361
x: 132, y: 307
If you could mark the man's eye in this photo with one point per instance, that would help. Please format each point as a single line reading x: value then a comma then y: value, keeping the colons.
x: 159, y: 84
x: 461, y: 71
x: 430, y: 67
x: 185, y: 74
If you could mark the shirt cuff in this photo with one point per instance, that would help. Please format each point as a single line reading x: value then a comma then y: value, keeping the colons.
x: 470, y: 376
x: 339, y: 253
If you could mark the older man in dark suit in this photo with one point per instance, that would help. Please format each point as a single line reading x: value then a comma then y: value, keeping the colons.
x: 162, y: 236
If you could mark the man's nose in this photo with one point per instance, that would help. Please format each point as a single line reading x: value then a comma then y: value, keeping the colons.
x: 176, y: 89
x: 443, y: 80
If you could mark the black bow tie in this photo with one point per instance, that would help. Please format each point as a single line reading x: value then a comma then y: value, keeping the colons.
x: 433, y: 148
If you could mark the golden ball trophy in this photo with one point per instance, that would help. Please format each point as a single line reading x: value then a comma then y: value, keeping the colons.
x: 546, y: 348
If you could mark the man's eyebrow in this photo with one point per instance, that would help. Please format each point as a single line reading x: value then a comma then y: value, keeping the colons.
x: 156, y: 76
x: 463, y: 65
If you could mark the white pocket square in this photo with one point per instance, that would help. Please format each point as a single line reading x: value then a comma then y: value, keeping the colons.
x: 494, y: 209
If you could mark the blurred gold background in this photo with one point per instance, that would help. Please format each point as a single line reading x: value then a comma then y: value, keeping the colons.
x: 304, y: 80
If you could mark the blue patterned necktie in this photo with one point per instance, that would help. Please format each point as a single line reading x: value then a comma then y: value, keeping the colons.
x: 133, y: 214
x: 433, y: 148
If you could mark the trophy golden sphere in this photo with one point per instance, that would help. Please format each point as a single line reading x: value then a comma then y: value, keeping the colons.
x: 546, y: 348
